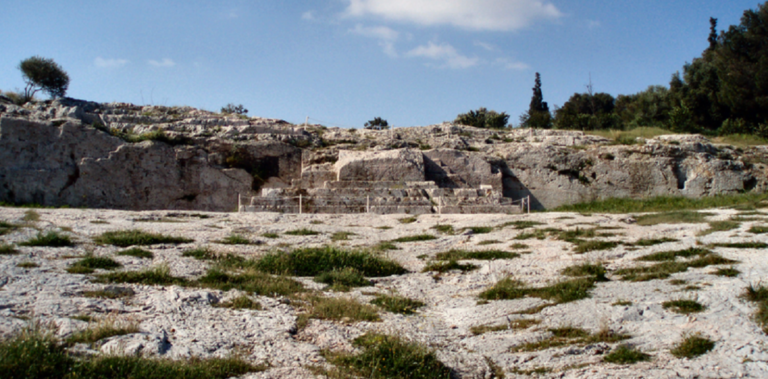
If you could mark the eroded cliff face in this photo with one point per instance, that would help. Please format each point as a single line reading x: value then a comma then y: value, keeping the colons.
x: 84, y: 154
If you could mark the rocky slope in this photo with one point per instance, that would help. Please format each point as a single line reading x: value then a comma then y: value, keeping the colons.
x: 123, y: 156
x: 182, y: 321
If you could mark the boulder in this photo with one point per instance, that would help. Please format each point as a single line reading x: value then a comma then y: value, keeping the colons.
x: 390, y: 165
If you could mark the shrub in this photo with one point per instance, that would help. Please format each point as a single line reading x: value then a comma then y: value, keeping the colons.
x: 43, y: 74
x: 88, y: 264
x: 125, y: 238
x: 6, y: 227
x: 234, y: 109
x: 8, y: 250
x: 483, y: 118
x: 137, y: 252
x: 385, y: 356
x: 562, y: 292
x: 486, y: 255
x: 50, y: 239
x: 596, y: 271
x: 377, y: 124
x: 240, y: 302
x: 759, y: 295
x: 626, y: 355
x: 302, y: 232
x: 33, y: 354
x: 251, y: 281
x: 397, y: 304
x: 343, y: 279
x: 160, y: 275
x: 235, y: 239
x: 329, y: 308
x: 692, y: 346
x: 314, y: 261
x: 416, y: 238
x: 104, y: 329
x: 683, y: 306
x: 443, y: 267
x: 341, y: 236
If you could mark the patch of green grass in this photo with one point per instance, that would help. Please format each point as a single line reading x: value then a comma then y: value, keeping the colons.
x: 341, y: 236
x: 692, y: 346
x: 488, y: 242
x: 624, y: 354
x: 6, y: 227
x: 160, y: 275
x: 203, y: 253
x: 103, y: 329
x: 741, y: 245
x: 719, y: 226
x: 8, y: 250
x: 110, y: 292
x: 270, y: 235
x: 677, y: 282
x: 518, y: 246
x: 512, y: 325
x: 240, y: 302
x: 314, y: 261
x: 480, y: 229
x: 730, y: 272
x: 758, y: 229
x: 673, y: 217
x: 415, y: 238
x: 316, y: 222
x: 88, y: 264
x: 672, y: 255
x: 759, y: 295
x: 596, y: 271
x: 341, y: 309
x: 407, y: 220
x: 50, y: 239
x: 251, y: 281
x: 562, y: 292
x: 343, y: 279
x: 27, y: 264
x: 485, y: 255
x: 585, y: 246
x: 84, y: 318
x: 622, y: 303
x: 31, y: 216
x: 443, y: 267
x: 397, y: 304
x: 669, y: 265
x: 392, y: 357
x: 684, y: 306
x: 384, y: 246
x: 740, y: 140
x: 384, y: 227
x: 137, y: 252
x: 126, y: 238
x: 445, y: 229
x: 521, y: 224
x: 99, y: 222
x: 651, y: 242
x: 34, y: 354
x: 665, y: 204
x: 566, y: 336
x: 235, y: 239
x: 302, y: 232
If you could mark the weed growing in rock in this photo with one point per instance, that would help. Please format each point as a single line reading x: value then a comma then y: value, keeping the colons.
x: 478, y: 255
x: 416, y: 238
x: 625, y: 354
x: 730, y: 272
x: 518, y: 246
x: 521, y: 224
x: 251, y: 281
x: 384, y: 246
x: 571, y: 336
x: 6, y: 227
x: 397, y: 304
x: 758, y: 229
x: 445, y: 229
x: 338, y: 309
x: 488, y: 242
x: 672, y: 255
x: 240, y: 302
x: 622, y: 303
x: 8, y: 250
x: 562, y: 292
x: 126, y: 238
x: 443, y: 267
x: 343, y: 279
x: 160, y: 275
x: 302, y: 232
x: 669, y: 265
x: 50, y: 239
x: 675, y: 217
x: 31, y: 216
x: 652, y: 242
x: 341, y: 236
x: 110, y: 292
x: 314, y: 261
x: 741, y: 245
x: 583, y: 246
x: 88, y: 264
x: 665, y: 204
x: 203, y: 253
x: 103, y: 329
x: 692, y: 346
x: 385, y: 356
x: 596, y: 271
x: 479, y: 229
x: 270, y: 235
x: 137, y: 252
x: 512, y: 325
x: 235, y: 239
x: 719, y: 226
x: 407, y: 220
x: 27, y: 264
x: 684, y: 306
x: 759, y: 295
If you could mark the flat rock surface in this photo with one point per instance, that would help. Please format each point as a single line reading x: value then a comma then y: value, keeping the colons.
x: 179, y: 322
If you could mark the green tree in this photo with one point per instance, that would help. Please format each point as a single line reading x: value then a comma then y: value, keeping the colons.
x: 43, y: 74
x: 483, y: 118
x: 587, y: 111
x: 538, y: 115
x: 377, y: 124
x: 234, y: 109
x: 647, y: 108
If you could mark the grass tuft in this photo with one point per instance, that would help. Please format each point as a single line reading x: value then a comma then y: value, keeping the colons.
x: 729, y: 272
x: 485, y: 255
x: 692, y: 346
x: 673, y: 217
x: 684, y: 306
x: 416, y: 238
x: 314, y: 261
x: 583, y: 246
x: 160, y: 275
x: 665, y: 204
x: 562, y: 292
x: 741, y: 245
x: 568, y: 335
x: 270, y: 235
x: 759, y: 295
x: 27, y: 264
x: 341, y: 309
x: 251, y: 281
x: 397, y: 304
x: 137, y: 252
x: 8, y: 250
x: 235, y: 239
x: 443, y: 267
x: 88, y: 264
x: 103, y: 329
x: 343, y: 279
x: 624, y: 354
x: 445, y: 229
x: 719, y: 226
x: 240, y: 302
x: 480, y: 229
x: 407, y: 220
x: 758, y: 229
x: 50, y: 239
x: 6, y: 227
x: 511, y: 325
x: 302, y: 232
x: 341, y: 236
x: 651, y: 242
x: 126, y: 238
x: 521, y: 224
x: 596, y: 271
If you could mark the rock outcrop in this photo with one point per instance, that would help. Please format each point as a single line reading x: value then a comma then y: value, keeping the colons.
x: 85, y: 154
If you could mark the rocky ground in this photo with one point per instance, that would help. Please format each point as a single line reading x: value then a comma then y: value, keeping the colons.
x: 178, y: 322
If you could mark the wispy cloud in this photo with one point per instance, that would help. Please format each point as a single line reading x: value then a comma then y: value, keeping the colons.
x: 486, y: 46
x: 593, y: 24
x: 509, y: 64
x: 385, y: 35
x: 499, y: 15
x: 445, y: 53
x: 308, y: 15
x: 166, y: 62
x: 109, y: 63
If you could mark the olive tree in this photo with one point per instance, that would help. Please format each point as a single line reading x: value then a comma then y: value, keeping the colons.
x: 43, y: 74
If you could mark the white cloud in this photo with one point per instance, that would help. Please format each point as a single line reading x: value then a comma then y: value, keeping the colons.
x: 385, y: 35
x: 500, y: 15
x: 510, y: 64
x: 485, y: 45
x: 109, y: 63
x: 166, y: 62
x: 444, y: 52
x: 308, y: 15
x: 593, y: 24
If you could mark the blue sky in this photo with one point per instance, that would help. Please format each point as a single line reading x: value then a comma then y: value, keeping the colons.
x: 343, y: 62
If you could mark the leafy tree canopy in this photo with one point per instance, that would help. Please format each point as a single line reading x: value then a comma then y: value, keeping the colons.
x: 483, y: 118
x: 43, y: 74
x: 377, y: 124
